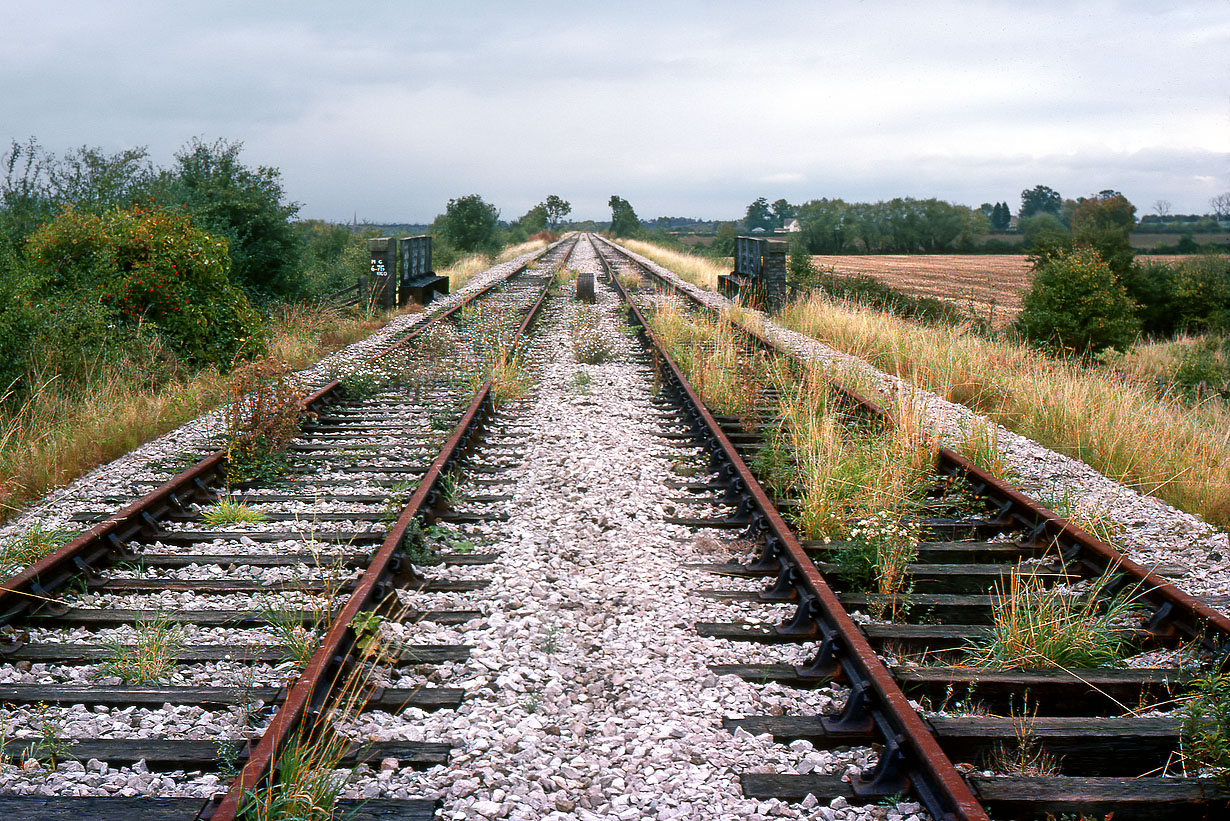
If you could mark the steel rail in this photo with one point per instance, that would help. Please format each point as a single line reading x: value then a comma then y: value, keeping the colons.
x: 334, y: 655
x: 32, y: 588
x: 1175, y: 612
x: 875, y: 698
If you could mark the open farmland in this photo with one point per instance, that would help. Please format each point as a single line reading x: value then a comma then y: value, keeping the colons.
x: 983, y: 284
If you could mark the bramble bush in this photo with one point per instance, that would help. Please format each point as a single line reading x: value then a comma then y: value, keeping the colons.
x: 139, y: 269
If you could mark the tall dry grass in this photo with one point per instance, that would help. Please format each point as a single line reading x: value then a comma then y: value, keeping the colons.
x: 700, y: 271
x: 464, y: 269
x: 514, y: 251
x: 1160, y: 446
x: 848, y: 473
x: 59, y: 432
x: 841, y: 472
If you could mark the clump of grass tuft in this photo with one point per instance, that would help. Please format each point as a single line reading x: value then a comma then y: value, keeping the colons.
x: 298, y: 631
x: 981, y: 446
x: 148, y: 659
x: 1026, y: 756
x: 511, y: 380
x: 464, y: 269
x: 850, y: 471
x: 1036, y: 626
x: 310, y: 781
x: 581, y: 381
x: 230, y: 511
x: 24, y: 549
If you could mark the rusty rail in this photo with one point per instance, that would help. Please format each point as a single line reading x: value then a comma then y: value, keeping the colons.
x: 911, y: 756
x: 335, y: 653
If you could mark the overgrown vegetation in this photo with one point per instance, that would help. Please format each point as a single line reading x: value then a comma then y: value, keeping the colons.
x: 26, y: 548
x: 852, y: 481
x: 127, y: 291
x: 1206, y: 724
x: 1157, y: 444
x: 150, y: 657
x: 261, y: 418
x: 1040, y: 624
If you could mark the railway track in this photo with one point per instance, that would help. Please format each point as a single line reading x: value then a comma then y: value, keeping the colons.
x: 163, y: 652
x: 1088, y: 741
x: 409, y: 493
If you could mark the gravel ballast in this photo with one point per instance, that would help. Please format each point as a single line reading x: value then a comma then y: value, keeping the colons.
x: 588, y: 688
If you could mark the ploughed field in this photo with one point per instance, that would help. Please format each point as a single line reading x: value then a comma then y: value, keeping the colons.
x: 981, y: 284
x: 985, y: 285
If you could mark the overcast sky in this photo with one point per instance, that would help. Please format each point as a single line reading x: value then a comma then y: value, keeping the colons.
x: 684, y: 109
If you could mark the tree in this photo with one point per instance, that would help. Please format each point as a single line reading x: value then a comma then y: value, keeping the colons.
x: 1202, y: 294
x: 1221, y: 206
x: 534, y: 220
x: 1044, y: 232
x: 623, y: 219
x: 1162, y: 207
x: 1001, y: 217
x: 801, y: 272
x: 245, y: 206
x: 1040, y: 199
x: 1104, y: 222
x: 1075, y: 304
x: 724, y: 240
x: 827, y: 226
x: 758, y: 215
x: 469, y: 223
x: 783, y: 211
x: 556, y: 209
x: 37, y: 184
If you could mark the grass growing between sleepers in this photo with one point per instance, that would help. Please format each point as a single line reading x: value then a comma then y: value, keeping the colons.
x: 853, y: 480
x: 1041, y: 625
x: 230, y: 511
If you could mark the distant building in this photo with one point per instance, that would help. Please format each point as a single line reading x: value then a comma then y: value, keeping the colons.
x: 792, y: 227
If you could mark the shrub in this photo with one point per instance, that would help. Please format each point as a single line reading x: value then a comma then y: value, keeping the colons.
x: 1075, y: 304
x: 1202, y: 293
x: 469, y: 224
x: 137, y: 268
x: 261, y: 419
x: 1151, y: 286
x: 19, y: 318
